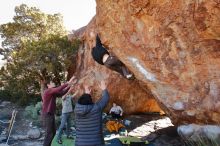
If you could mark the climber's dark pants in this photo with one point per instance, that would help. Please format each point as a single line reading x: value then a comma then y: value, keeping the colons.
x: 50, y: 129
x: 115, y: 64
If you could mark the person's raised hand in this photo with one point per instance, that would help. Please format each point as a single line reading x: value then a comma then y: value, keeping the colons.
x: 77, y: 87
x: 102, y: 85
x: 87, y: 89
x: 42, y: 81
x: 72, y: 79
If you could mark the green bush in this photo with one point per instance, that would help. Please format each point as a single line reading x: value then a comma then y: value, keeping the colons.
x: 32, y: 112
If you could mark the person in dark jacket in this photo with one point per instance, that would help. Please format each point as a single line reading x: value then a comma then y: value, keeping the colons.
x: 88, y: 118
x: 49, y: 108
x: 103, y: 57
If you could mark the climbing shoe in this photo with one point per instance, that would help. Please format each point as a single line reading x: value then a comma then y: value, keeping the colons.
x: 70, y: 137
x: 59, y: 141
x: 130, y: 77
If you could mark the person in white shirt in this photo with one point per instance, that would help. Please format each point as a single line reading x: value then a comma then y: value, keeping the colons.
x: 116, y: 111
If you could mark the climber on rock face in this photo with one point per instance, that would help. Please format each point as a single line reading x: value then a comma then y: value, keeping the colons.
x: 103, y: 57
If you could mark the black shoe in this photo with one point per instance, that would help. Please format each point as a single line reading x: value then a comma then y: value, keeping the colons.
x: 59, y: 141
x: 130, y: 77
x: 70, y: 137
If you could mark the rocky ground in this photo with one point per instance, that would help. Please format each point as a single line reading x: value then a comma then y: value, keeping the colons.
x: 152, y: 127
x: 158, y: 130
x: 24, y: 133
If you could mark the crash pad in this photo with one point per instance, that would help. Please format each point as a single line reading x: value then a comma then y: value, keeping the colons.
x: 129, y: 140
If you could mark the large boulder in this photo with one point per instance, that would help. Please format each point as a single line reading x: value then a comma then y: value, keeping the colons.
x: 200, y: 132
x: 128, y: 94
x: 173, y: 49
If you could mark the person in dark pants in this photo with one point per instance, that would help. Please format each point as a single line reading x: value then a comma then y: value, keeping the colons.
x: 49, y: 107
x: 88, y: 118
x: 103, y: 57
x: 116, y: 111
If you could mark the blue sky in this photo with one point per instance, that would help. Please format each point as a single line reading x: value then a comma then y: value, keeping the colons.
x: 76, y: 13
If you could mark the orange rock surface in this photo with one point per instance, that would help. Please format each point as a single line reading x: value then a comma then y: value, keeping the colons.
x: 173, y: 49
